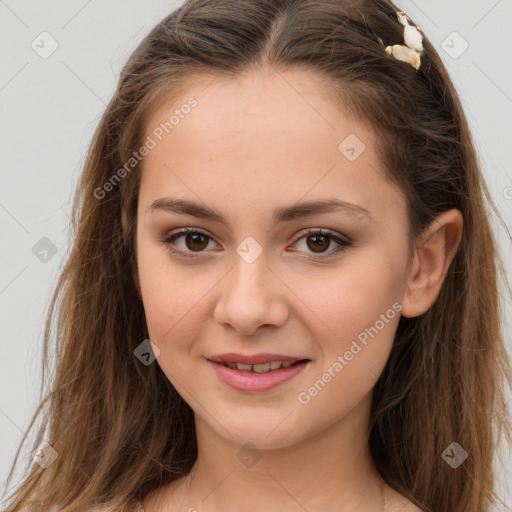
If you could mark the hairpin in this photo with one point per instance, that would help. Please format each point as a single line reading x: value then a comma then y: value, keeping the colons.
x: 413, y: 48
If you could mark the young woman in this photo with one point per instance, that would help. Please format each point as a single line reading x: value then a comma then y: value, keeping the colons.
x: 282, y: 293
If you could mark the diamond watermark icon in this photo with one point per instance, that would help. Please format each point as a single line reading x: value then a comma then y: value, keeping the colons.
x: 249, y: 455
x: 147, y: 352
x: 45, y: 455
x: 455, y: 45
x: 351, y: 147
x: 44, y: 45
x: 44, y: 250
x: 249, y: 249
x: 455, y: 455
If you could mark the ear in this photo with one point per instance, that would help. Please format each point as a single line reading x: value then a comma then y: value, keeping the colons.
x: 135, y: 271
x: 432, y: 257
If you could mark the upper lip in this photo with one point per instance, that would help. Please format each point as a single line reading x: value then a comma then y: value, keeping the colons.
x: 233, y: 357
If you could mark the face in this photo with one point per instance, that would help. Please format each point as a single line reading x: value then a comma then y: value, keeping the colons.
x: 259, y: 277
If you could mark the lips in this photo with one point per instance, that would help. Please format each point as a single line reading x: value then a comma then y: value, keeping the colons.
x: 256, y: 372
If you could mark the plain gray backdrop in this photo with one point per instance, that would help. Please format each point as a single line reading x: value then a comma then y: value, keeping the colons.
x: 59, y: 65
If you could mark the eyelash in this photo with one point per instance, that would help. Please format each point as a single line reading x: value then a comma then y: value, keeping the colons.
x: 344, y: 243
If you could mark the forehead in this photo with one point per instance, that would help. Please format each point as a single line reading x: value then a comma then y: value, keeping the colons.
x: 280, y: 106
x: 266, y: 136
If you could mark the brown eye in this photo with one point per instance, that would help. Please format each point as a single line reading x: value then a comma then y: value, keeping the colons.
x: 319, y: 241
x: 195, y: 241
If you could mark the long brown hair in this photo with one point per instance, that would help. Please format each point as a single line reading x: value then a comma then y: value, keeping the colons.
x: 119, y: 427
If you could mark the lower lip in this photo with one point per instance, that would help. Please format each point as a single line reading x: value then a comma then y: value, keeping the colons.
x: 252, y: 381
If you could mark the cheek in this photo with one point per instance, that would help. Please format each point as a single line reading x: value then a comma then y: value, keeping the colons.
x: 362, y: 313
x: 352, y: 297
x: 173, y: 309
x: 175, y: 318
x: 170, y: 294
x: 357, y: 312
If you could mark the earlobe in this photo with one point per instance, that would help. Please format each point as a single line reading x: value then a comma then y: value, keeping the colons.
x: 432, y: 258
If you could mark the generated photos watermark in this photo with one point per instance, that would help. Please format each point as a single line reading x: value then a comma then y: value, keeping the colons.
x: 304, y: 397
x: 150, y: 143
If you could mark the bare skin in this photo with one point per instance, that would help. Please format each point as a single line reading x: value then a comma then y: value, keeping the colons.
x: 251, y: 145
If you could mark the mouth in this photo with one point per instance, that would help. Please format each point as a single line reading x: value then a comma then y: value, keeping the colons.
x: 267, y: 367
x: 257, y: 377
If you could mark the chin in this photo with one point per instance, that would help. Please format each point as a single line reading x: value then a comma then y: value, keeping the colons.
x: 265, y: 434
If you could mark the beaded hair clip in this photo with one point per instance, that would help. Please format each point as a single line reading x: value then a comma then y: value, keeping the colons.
x: 413, y: 48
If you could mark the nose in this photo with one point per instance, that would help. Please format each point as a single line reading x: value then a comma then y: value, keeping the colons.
x: 251, y: 297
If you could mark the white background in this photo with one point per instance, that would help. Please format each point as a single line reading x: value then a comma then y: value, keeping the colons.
x: 50, y: 107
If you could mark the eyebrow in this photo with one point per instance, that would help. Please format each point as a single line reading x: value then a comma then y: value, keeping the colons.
x: 282, y: 214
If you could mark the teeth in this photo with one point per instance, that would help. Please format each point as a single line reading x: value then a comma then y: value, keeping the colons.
x: 260, y: 368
